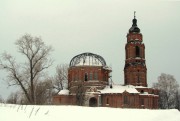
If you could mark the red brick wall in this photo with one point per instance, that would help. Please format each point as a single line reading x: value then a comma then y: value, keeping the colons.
x: 76, y: 76
x: 64, y: 100
x: 132, y: 36
x: 131, y: 74
x: 78, y: 73
x: 133, y: 101
x: 114, y: 100
x: 135, y: 68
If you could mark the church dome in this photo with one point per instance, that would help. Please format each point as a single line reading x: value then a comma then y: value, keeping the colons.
x: 134, y: 27
x: 87, y: 59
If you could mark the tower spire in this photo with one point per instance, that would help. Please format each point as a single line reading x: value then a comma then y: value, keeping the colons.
x: 134, y: 27
x: 134, y: 20
x: 134, y: 14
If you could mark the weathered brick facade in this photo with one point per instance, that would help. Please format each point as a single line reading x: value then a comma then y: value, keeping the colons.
x: 135, y: 72
x: 96, y: 76
x: 89, y: 79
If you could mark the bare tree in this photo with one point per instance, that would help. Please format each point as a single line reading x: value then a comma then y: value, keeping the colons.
x: 60, y: 80
x: 80, y: 94
x: 43, y: 92
x: 168, y: 91
x: 27, y: 74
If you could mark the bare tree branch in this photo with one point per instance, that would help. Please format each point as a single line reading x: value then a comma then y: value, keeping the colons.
x: 61, y: 78
x: 25, y: 75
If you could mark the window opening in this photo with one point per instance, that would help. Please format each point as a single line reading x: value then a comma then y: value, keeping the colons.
x: 107, y: 101
x: 125, y: 100
x: 90, y: 76
x: 138, y: 77
x: 142, y: 101
x: 86, y: 77
x: 93, y: 102
x: 137, y: 51
x: 95, y: 76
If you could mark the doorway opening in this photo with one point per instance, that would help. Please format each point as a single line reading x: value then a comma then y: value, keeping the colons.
x: 93, y: 102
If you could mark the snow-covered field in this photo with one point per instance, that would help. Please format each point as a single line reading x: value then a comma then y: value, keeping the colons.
x: 10, y: 112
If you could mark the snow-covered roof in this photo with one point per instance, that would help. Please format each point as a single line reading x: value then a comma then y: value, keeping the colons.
x: 64, y: 92
x: 107, y: 68
x: 119, y: 89
x: 146, y: 93
x: 140, y: 87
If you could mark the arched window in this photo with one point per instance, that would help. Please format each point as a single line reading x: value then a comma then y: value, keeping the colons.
x: 142, y: 101
x: 86, y: 77
x: 137, y: 51
x: 95, y: 76
x: 125, y: 99
x: 107, y: 101
x: 90, y: 76
x: 138, y: 77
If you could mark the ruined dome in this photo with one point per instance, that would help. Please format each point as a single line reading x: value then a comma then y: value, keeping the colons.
x: 87, y: 59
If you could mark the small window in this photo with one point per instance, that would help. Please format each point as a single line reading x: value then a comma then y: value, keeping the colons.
x: 86, y: 77
x: 107, y: 101
x: 138, y: 77
x: 142, y: 101
x: 95, y: 76
x: 90, y: 76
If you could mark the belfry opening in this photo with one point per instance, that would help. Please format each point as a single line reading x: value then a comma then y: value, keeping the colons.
x: 137, y: 51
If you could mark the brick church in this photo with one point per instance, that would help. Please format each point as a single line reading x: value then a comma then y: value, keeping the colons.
x: 90, y: 83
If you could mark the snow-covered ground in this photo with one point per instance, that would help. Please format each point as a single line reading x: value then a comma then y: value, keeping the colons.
x: 10, y: 112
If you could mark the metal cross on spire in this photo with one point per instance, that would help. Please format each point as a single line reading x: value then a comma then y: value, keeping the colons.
x: 134, y: 14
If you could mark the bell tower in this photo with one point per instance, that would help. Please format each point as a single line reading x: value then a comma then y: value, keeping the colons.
x: 135, y: 72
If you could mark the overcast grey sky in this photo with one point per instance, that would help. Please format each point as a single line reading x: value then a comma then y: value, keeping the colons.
x: 72, y: 27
